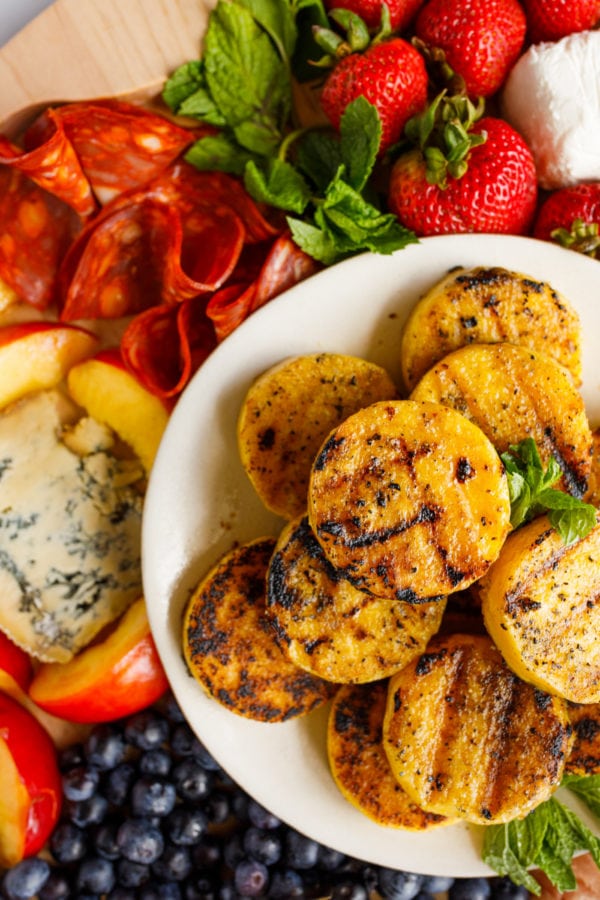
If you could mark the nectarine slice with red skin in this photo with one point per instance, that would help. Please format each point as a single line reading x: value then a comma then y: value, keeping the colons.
x: 108, y: 680
x: 36, y: 356
x: 109, y: 393
x: 30, y: 783
x: 14, y: 663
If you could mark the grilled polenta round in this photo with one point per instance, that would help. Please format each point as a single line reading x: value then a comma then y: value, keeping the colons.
x: 540, y: 604
x: 230, y: 648
x: 358, y: 762
x: 289, y: 411
x: 514, y: 393
x: 593, y: 492
x: 485, y: 305
x: 409, y: 500
x: 328, y: 627
x: 466, y: 738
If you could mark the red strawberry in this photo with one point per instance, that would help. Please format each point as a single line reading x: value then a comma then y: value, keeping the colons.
x: 482, y: 179
x: 550, y: 20
x: 391, y: 75
x: 481, y: 38
x: 401, y: 11
x: 571, y: 217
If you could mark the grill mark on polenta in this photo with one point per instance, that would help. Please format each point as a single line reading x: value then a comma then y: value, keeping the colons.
x: 576, y: 483
x: 327, y: 452
x: 426, y: 515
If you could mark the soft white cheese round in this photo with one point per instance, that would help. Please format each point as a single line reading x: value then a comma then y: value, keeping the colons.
x: 552, y: 98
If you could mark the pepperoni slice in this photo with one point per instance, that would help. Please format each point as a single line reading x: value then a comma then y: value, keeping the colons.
x: 184, y: 186
x: 229, y: 307
x: 165, y: 345
x: 120, y: 146
x: 55, y: 167
x: 35, y: 230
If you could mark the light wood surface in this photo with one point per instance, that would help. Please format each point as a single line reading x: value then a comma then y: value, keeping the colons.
x: 81, y: 49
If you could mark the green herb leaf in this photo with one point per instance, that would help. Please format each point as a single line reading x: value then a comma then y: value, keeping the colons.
x: 278, y: 20
x: 183, y: 84
x: 587, y: 788
x: 308, y: 14
x: 314, y: 241
x: 218, y: 152
x: 278, y: 183
x: 531, y: 493
x: 319, y: 156
x: 360, y: 136
x: 547, y: 838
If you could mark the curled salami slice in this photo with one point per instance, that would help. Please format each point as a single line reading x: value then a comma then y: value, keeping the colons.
x: 184, y: 186
x: 283, y: 265
x: 35, y: 231
x: 55, y: 167
x: 165, y: 345
x: 120, y: 146
x: 142, y: 254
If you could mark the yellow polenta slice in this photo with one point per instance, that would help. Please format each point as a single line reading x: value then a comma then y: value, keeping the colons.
x: 230, y: 647
x: 513, y: 393
x: 593, y: 493
x: 409, y: 500
x: 540, y: 603
x: 358, y: 762
x: 486, y: 305
x: 466, y: 738
x: 328, y: 627
x: 289, y: 411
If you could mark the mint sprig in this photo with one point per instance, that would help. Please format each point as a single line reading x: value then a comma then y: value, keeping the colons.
x: 242, y: 87
x: 531, y: 493
x: 547, y: 839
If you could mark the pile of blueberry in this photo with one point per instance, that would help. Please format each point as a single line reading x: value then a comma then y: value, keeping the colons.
x: 149, y: 814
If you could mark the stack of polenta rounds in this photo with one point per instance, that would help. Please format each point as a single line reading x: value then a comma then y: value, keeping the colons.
x: 457, y: 652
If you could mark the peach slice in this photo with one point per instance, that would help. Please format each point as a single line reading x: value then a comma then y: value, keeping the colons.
x: 111, y: 394
x: 114, y: 678
x: 16, y: 670
x: 37, y: 355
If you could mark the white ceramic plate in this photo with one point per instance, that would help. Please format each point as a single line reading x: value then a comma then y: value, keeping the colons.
x: 200, y: 501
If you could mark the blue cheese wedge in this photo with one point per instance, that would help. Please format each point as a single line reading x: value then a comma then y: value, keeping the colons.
x: 70, y: 526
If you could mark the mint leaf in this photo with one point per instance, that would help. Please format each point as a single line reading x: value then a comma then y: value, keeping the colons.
x: 278, y: 21
x: 245, y: 75
x: 314, y: 241
x: 218, y: 152
x: 183, y: 83
x: 548, y: 838
x: 587, y: 788
x: 360, y: 132
x: 278, y: 183
x: 319, y: 156
x: 531, y: 493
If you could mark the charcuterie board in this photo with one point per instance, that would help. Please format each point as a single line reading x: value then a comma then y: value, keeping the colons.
x: 80, y: 49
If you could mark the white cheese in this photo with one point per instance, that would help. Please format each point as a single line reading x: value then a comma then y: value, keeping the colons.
x: 552, y: 98
x: 69, y: 534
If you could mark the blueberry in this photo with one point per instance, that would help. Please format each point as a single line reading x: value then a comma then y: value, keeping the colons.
x: 146, y: 730
x: 105, y: 747
x: 349, y: 890
x: 264, y: 846
x: 96, y: 875
x: 174, y: 864
x: 233, y: 852
x: 25, y: 879
x: 168, y: 890
x: 68, y: 843
x: 117, y: 784
x: 105, y: 840
x: 330, y: 859
x: 300, y: 852
x: 56, y: 887
x: 261, y: 817
x: 200, y: 888
x: 192, y: 781
x: 437, y: 884
x: 398, y: 885
x: 152, y: 795
x: 185, y: 825
x: 87, y: 812
x: 132, y: 874
x: 218, y: 808
x: 204, y: 757
x: 140, y: 841
x: 250, y: 878
x: 70, y: 757
x: 80, y: 783
x: 470, y: 889
x: 183, y: 740
x: 286, y: 883
x: 207, y: 854
x: 505, y: 889
x: 155, y: 762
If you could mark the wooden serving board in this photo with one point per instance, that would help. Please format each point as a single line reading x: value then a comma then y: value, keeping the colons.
x: 82, y: 49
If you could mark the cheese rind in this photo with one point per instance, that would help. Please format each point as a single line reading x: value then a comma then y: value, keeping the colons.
x: 70, y: 531
x: 552, y: 98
